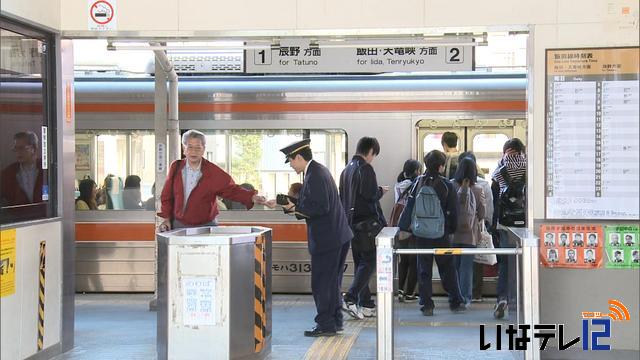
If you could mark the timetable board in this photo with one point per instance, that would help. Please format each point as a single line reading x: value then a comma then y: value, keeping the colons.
x: 592, y: 133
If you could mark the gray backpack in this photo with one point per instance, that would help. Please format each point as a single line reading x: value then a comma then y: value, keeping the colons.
x: 467, y: 209
x: 427, y: 220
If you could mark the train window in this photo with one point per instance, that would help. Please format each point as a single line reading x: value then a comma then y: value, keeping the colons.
x: 252, y: 158
x: 433, y: 141
x: 121, y: 163
x: 488, y: 150
x: 26, y: 114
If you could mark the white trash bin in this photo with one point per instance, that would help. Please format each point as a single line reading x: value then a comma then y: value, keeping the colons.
x: 214, y: 293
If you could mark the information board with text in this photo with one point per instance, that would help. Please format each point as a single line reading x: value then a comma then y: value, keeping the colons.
x: 592, y: 133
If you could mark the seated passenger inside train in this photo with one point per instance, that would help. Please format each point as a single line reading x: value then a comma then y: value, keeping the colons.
x: 131, y: 195
x: 88, y: 194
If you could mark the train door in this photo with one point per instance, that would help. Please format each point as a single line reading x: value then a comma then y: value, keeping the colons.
x: 484, y: 137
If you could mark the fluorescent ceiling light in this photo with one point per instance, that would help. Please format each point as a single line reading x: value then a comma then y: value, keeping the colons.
x: 330, y: 43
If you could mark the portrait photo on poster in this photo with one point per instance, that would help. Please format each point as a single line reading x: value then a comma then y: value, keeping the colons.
x: 617, y: 256
x: 550, y: 239
x: 589, y: 256
x: 614, y: 239
x: 570, y: 256
x: 552, y: 255
x: 578, y: 240
x: 564, y: 239
x: 592, y: 240
x: 629, y: 239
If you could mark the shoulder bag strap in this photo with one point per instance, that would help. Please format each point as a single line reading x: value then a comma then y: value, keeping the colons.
x: 173, y: 179
x: 354, y: 194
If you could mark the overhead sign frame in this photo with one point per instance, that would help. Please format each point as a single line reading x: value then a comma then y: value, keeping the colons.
x: 307, y: 56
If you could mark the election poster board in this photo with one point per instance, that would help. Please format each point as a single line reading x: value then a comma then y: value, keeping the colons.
x: 577, y: 246
x: 622, y: 248
x: 592, y: 133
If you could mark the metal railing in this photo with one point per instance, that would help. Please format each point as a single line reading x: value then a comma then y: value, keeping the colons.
x: 527, y: 279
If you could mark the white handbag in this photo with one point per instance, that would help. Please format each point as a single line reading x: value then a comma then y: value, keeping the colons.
x: 485, y: 242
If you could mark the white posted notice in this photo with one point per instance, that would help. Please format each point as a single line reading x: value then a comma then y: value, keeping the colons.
x: 198, y: 295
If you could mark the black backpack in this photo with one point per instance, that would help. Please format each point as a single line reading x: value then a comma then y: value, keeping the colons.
x: 513, y: 201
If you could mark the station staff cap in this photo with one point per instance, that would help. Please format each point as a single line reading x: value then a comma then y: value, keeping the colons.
x: 292, y: 149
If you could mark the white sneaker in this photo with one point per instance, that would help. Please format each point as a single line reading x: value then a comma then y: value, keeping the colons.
x: 352, y: 309
x: 368, y: 312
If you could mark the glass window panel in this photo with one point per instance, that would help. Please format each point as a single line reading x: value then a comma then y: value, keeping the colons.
x: 488, y: 151
x: 255, y: 158
x: 26, y: 163
x: 433, y: 141
x: 122, y: 163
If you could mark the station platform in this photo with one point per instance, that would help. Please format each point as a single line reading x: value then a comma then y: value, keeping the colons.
x: 119, y: 326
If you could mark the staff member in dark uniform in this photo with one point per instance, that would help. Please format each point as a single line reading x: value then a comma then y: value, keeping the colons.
x: 328, y: 233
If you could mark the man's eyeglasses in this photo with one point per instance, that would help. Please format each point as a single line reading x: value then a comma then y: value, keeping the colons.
x: 194, y: 148
x: 20, y: 148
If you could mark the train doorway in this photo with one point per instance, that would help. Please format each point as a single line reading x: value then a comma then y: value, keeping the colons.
x: 485, y: 137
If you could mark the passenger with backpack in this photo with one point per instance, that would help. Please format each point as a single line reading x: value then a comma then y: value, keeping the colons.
x: 407, y: 264
x: 471, y: 212
x: 431, y: 216
x: 509, y: 183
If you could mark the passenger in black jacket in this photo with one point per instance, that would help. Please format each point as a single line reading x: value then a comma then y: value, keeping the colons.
x: 434, y: 163
x: 328, y: 234
x: 360, y: 195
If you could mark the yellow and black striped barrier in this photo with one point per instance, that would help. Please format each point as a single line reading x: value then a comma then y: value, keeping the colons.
x: 260, y: 323
x: 43, y: 254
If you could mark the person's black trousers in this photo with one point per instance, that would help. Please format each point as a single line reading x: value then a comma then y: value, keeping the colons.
x: 326, y: 280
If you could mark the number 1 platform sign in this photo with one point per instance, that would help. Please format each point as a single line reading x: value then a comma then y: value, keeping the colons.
x: 306, y: 56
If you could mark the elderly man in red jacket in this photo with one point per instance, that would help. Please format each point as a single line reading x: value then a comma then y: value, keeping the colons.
x: 189, y: 194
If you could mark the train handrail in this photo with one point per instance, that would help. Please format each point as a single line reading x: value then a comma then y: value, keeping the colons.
x: 527, y: 251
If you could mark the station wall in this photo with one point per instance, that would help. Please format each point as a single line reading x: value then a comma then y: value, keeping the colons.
x: 19, y: 323
x: 186, y: 16
x: 41, y: 12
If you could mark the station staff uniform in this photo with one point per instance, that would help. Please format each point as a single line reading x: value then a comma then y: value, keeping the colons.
x: 328, y: 236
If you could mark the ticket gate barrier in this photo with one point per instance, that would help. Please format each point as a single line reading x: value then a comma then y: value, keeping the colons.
x: 527, y: 283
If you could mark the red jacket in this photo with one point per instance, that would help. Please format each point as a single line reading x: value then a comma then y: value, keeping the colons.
x: 201, y: 206
x: 12, y: 193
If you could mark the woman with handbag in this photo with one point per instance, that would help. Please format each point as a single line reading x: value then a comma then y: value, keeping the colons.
x: 471, y: 213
